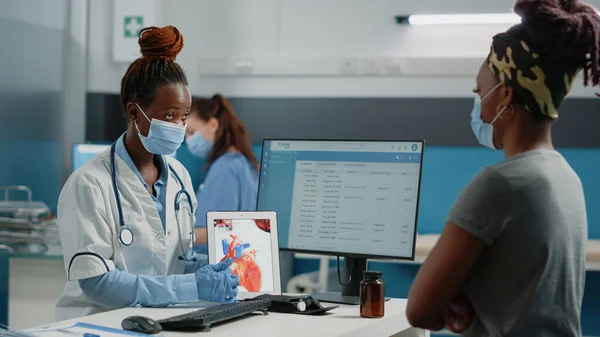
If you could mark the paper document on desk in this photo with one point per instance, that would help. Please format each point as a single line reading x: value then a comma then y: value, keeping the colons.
x: 82, y: 330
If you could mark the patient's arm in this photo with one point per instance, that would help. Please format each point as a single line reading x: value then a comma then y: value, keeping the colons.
x: 442, y: 276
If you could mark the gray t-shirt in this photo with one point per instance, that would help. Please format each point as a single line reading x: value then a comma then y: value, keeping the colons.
x: 529, y: 280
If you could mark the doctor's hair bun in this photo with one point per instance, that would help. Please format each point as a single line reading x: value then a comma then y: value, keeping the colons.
x: 160, y: 43
x: 156, y: 67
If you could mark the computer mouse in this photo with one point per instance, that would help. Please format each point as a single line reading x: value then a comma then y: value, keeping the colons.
x: 141, y: 324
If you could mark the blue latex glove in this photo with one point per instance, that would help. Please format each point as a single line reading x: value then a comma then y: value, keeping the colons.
x: 216, y: 283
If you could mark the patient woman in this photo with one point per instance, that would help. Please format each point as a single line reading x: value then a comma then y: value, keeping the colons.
x: 511, y: 258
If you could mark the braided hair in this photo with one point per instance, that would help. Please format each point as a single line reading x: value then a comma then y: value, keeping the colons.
x: 567, y: 31
x: 156, y: 67
x: 540, y: 57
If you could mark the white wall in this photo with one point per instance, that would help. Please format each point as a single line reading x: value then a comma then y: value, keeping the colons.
x: 309, y: 29
x: 29, y: 56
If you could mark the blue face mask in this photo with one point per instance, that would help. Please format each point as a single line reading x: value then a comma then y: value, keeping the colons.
x: 164, y: 138
x: 198, y: 146
x: 482, y: 130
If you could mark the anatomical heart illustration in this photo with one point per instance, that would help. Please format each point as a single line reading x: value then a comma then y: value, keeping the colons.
x: 244, y: 264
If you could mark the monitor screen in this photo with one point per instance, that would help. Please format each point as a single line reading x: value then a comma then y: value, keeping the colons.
x: 345, y: 198
x: 82, y: 153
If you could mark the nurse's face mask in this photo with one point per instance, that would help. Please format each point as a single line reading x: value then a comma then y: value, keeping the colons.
x: 482, y: 130
x: 198, y: 145
x: 164, y: 138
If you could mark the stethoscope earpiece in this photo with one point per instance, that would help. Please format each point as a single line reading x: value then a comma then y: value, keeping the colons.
x: 193, y: 259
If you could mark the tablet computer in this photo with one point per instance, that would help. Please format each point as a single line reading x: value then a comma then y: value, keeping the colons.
x: 250, y: 239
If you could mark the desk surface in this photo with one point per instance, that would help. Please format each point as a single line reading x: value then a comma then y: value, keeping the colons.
x: 343, y: 321
x: 425, y: 244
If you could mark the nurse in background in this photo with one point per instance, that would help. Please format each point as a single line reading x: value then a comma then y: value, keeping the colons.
x: 215, y: 133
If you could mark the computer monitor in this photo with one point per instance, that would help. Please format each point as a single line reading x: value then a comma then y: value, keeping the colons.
x: 353, y: 199
x: 82, y: 153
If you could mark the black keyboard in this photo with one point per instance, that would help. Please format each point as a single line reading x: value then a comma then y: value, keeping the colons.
x: 204, y: 318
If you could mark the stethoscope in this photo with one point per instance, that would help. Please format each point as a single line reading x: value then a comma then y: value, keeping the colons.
x: 126, y: 234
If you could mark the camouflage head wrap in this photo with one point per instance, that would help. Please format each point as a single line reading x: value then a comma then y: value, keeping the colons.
x: 540, y: 83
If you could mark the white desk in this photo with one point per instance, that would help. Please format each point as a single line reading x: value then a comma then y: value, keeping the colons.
x: 425, y: 244
x: 343, y: 321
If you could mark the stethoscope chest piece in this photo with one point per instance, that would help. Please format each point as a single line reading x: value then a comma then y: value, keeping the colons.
x: 126, y: 236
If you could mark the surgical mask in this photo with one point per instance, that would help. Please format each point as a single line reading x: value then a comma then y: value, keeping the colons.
x: 164, y: 138
x: 198, y: 146
x: 482, y: 130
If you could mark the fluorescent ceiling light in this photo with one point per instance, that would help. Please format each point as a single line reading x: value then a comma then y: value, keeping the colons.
x: 463, y: 19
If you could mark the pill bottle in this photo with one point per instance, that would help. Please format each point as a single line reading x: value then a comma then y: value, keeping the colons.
x: 372, y: 295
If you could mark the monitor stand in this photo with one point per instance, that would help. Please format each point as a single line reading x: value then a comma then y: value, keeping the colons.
x: 353, y: 269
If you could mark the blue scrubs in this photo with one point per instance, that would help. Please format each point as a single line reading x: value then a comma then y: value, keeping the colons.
x: 231, y: 184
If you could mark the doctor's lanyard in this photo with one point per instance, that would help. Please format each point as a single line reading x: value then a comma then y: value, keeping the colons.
x: 125, y: 233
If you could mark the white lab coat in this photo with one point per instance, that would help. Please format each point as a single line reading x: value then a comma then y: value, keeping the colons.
x: 89, y: 224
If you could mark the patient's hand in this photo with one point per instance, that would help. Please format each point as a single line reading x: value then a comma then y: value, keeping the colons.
x: 460, y: 314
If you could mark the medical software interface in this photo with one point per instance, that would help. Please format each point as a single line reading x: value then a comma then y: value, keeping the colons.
x: 343, y: 197
x: 82, y: 153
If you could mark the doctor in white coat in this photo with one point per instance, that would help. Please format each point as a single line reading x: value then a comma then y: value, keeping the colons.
x: 126, y: 217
